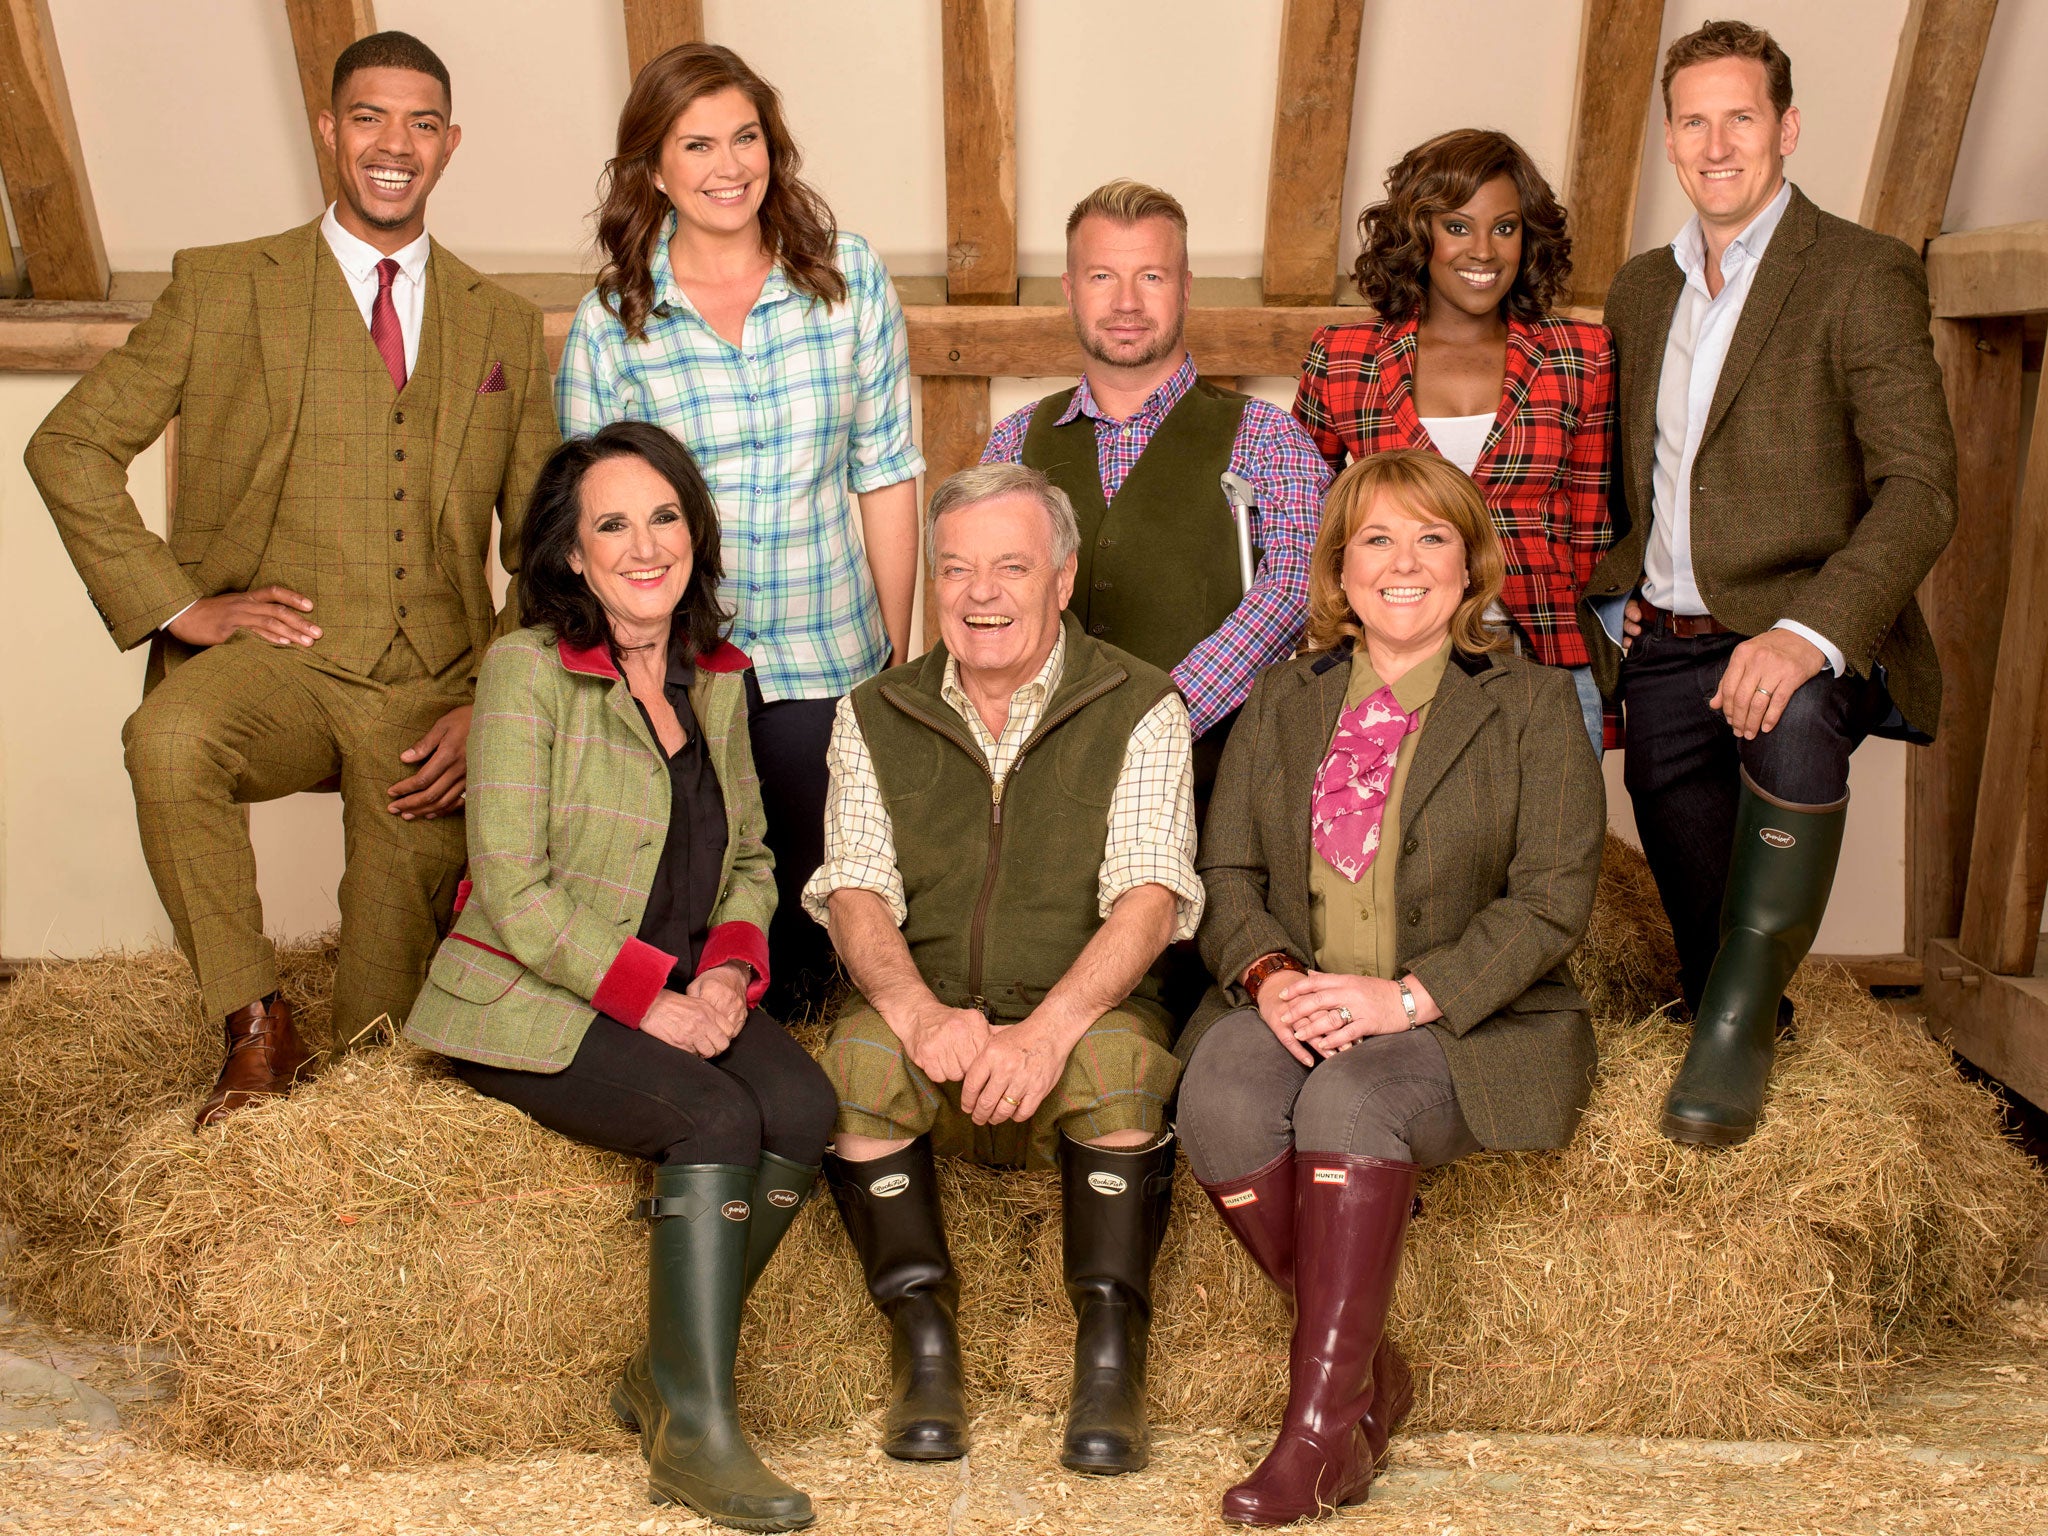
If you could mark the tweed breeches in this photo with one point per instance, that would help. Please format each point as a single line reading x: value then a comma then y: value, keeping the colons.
x: 248, y: 721
x: 1118, y: 1078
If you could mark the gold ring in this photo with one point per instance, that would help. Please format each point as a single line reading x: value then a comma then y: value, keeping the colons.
x: 1008, y: 1099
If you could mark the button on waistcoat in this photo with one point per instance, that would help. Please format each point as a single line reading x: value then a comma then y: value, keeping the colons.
x: 355, y: 528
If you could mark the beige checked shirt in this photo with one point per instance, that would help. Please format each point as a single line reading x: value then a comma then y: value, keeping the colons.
x: 1151, y: 814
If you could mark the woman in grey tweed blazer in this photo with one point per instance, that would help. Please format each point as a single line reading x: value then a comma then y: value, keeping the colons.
x: 1400, y: 856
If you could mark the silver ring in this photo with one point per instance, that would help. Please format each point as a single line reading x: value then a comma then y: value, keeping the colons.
x: 1763, y: 690
x: 1343, y: 1014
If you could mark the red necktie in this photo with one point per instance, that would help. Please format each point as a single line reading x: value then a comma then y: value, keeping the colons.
x: 384, y: 324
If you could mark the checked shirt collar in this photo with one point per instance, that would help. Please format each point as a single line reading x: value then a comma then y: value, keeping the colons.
x: 1148, y: 415
x: 669, y: 298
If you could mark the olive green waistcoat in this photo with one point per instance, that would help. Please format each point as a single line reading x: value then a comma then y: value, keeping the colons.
x: 1001, y: 879
x: 1158, y: 569
x: 354, y: 526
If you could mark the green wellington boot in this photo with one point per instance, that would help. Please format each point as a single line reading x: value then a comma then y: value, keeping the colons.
x: 781, y: 1189
x: 696, y: 1283
x: 1778, y: 882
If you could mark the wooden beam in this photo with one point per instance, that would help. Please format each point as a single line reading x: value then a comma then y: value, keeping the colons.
x: 2002, y: 271
x: 1895, y: 970
x: 1964, y: 601
x: 1311, y: 144
x: 320, y: 30
x: 1997, y: 1023
x: 955, y: 430
x: 1617, y: 80
x: 655, y: 26
x: 10, y: 267
x: 978, y: 44
x: 2001, y: 925
x: 1941, y: 48
x: 42, y: 162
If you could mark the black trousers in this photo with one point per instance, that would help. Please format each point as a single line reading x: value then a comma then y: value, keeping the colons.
x: 1684, y: 764
x: 790, y: 737
x: 631, y: 1093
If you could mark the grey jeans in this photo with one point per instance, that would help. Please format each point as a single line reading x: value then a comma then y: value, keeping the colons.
x: 1244, y: 1100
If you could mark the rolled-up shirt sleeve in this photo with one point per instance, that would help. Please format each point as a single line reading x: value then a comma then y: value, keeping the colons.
x: 883, y: 451
x: 860, y: 840
x: 1152, y: 817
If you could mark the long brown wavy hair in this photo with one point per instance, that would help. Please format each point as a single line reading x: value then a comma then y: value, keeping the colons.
x: 1440, y: 175
x: 796, y: 226
x: 1429, y: 488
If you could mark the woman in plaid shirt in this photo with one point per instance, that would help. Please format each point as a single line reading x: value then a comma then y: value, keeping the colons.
x: 1463, y: 261
x: 732, y: 312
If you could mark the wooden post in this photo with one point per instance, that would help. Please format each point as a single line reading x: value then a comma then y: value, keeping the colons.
x: 956, y: 428
x: 1964, y: 601
x: 2009, y: 851
x: 42, y: 163
x: 10, y: 268
x: 655, y: 26
x: 1941, y: 48
x: 1311, y: 145
x: 978, y: 41
x: 1617, y: 79
x: 320, y: 30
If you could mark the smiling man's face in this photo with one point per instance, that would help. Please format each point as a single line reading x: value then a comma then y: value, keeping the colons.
x: 390, y: 137
x: 1727, y: 141
x: 1000, y: 593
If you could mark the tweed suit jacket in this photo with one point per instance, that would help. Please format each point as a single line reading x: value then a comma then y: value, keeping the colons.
x: 1824, y: 486
x: 226, y: 351
x: 568, y: 809
x: 1503, y: 819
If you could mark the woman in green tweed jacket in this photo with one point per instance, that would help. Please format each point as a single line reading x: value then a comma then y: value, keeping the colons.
x: 609, y: 949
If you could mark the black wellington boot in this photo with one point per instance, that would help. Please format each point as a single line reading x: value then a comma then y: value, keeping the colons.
x: 1779, y: 877
x: 1116, y: 1201
x: 781, y: 1188
x: 891, y: 1209
x: 696, y: 1265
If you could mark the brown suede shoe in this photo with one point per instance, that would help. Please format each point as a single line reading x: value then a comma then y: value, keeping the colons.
x: 265, y: 1059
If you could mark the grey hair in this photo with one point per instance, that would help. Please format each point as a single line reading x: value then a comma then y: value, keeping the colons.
x: 985, y: 482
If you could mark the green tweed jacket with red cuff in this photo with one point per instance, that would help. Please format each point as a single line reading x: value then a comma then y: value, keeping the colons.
x: 568, y: 808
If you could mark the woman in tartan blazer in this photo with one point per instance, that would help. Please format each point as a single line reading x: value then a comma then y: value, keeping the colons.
x: 610, y: 946
x: 1463, y: 261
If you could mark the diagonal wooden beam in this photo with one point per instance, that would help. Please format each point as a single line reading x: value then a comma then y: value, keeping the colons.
x: 320, y: 30
x: 1311, y: 144
x: 42, y: 163
x: 978, y: 41
x: 1940, y: 51
x: 1617, y: 80
x: 655, y: 26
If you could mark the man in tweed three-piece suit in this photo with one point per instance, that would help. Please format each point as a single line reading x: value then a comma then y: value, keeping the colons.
x: 354, y: 405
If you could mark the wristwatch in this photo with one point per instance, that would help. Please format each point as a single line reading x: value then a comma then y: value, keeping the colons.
x: 1407, y: 1002
x: 1256, y: 973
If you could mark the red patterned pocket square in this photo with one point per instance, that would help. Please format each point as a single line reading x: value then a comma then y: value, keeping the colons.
x: 494, y: 381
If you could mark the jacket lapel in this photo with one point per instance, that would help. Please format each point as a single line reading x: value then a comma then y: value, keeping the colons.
x: 1396, y: 362
x: 1784, y: 259
x: 1455, y: 715
x: 1303, y: 740
x: 465, y: 344
x: 1646, y: 373
x: 1525, y: 356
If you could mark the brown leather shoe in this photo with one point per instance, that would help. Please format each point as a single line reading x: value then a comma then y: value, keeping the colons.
x: 265, y: 1059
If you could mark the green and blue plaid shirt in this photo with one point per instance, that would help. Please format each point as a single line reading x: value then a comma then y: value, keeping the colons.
x: 811, y: 408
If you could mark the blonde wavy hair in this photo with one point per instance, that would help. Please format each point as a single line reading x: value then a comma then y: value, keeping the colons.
x: 1428, y: 488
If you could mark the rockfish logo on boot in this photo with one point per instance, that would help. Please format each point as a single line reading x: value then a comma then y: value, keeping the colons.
x: 1106, y: 1184
x: 889, y: 1184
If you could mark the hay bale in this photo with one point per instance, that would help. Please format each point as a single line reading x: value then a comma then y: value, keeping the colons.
x: 89, y: 1050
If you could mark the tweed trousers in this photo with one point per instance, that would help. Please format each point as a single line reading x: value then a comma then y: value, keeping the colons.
x: 1119, y: 1077
x: 247, y: 721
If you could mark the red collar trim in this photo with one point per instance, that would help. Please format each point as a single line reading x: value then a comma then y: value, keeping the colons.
x: 596, y: 660
x: 725, y: 657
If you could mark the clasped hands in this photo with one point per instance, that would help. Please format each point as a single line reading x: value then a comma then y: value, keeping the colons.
x: 278, y: 614
x: 702, y: 1018
x: 1004, y: 1070
x: 1301, y: 1008
x: 1763, y: 673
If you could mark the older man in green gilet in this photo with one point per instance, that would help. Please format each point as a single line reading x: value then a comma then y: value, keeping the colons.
x: 1008, y: 848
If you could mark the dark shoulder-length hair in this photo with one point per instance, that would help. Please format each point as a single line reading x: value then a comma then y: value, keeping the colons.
x: 796, y: 225
x: 1440, y: 176
x: 553, y: 596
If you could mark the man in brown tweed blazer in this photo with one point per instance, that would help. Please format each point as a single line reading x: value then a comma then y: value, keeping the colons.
x: 1786, y: 478
x: 355, y: 404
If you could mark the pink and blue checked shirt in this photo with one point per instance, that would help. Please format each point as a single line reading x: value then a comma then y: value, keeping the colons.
x: 1288, y: 474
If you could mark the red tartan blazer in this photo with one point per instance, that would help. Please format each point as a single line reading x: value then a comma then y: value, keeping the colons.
x: 1543, y: 471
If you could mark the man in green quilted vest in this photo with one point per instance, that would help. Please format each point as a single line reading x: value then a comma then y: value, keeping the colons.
x: 1008, y: 848
x: 354, y: 407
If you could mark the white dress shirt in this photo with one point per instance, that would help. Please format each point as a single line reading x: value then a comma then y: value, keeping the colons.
x: 1702, y: 328
x: 358, y: 261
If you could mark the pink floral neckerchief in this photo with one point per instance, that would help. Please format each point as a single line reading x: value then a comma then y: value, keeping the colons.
x: 1351, y: 787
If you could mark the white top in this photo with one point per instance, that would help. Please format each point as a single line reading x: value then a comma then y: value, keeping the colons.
x: 358, y: 261
x: 1459, y: 438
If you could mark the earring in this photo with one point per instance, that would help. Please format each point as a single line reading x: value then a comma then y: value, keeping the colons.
x: 659, y: 185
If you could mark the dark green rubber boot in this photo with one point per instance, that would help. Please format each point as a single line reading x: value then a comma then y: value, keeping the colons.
x: 1782, y: 869
x: 696, y: 1280
x: 781, y: 1189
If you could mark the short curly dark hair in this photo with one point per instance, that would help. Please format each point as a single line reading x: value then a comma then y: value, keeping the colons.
x: 554, y: 597
x: 1440, y: 176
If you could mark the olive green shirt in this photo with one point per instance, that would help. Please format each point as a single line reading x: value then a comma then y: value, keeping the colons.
x: 1345, y: 920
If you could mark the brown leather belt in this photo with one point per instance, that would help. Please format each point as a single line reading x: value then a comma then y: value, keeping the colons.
x: 1685, y: 626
